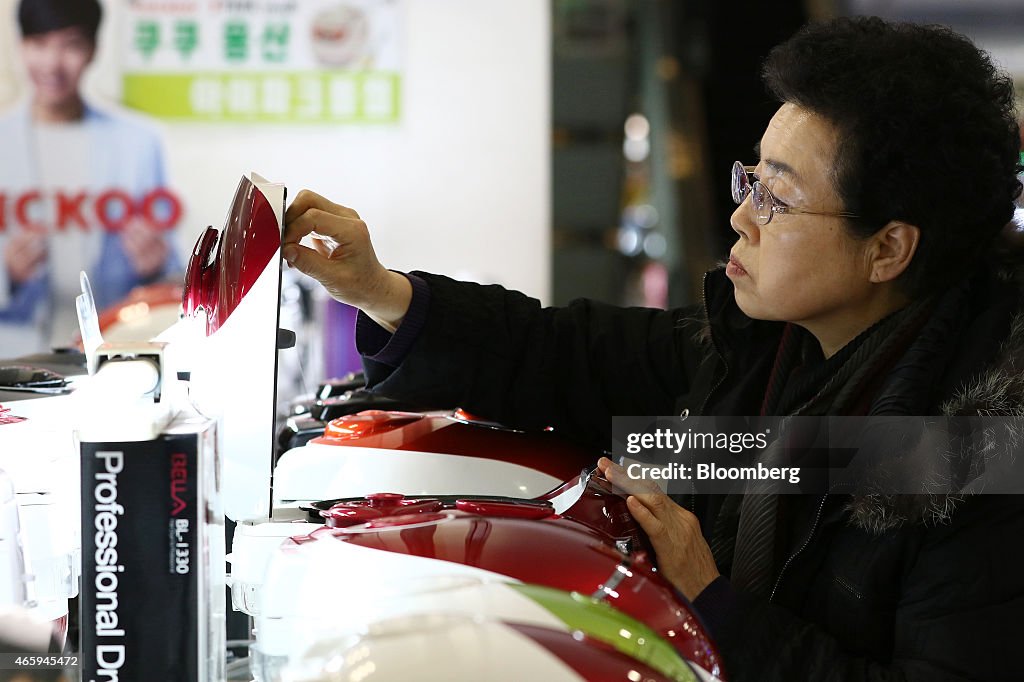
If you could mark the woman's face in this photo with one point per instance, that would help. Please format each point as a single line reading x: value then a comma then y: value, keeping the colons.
x: 799, y: 268
x: 55, y: 62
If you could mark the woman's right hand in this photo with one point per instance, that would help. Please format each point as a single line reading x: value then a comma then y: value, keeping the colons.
x: 343, y: 260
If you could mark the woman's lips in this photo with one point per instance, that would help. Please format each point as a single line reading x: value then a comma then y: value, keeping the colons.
x: 735, y: 268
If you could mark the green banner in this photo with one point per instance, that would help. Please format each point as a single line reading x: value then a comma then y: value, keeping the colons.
x: 314, y: 96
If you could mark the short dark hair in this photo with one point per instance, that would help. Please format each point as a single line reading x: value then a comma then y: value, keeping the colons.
x: 42, y: 16
x: 927, y: 134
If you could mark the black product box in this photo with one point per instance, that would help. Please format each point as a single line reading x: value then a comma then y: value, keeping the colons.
x: 152, y: 598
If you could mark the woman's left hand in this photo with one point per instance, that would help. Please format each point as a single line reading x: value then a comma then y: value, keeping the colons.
x: 684, y: 557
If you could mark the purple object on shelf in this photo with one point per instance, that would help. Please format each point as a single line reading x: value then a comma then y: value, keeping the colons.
x: 340, y: 354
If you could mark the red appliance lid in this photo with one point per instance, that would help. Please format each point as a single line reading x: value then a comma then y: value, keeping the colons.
x: 457, y: 433
x: 225, y: 265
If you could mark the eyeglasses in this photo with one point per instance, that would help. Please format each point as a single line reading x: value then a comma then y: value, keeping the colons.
x: 744, y: 182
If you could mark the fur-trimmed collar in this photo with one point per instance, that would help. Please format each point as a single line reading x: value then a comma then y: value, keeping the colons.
x: 996, y: 391
x: 999, y: 390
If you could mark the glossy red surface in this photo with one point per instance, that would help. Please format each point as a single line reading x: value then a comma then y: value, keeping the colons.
x: 433, y: 432
x: 404, y: 521
x: 385, y: 500
x: 554, y: 551
x: 601, y: 508
x: 593, y: 660
x: 222, y: 270
x: 375, y: 507
x: 367, y: 423
x: 509, y: 510
x: 461, y: 415
x: 199, y: 277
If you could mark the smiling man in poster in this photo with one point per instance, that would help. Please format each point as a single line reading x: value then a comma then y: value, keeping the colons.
x: 80, y: 188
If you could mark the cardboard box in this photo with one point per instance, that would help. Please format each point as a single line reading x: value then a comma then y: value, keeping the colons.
x: 152, y: 599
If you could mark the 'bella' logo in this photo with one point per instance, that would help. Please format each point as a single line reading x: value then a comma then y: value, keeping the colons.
x: 179, y: 480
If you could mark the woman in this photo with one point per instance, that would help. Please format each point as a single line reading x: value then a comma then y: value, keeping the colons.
x: 862, y: 282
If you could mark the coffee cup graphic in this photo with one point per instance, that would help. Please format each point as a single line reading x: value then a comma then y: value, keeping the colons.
x: 341, y: 37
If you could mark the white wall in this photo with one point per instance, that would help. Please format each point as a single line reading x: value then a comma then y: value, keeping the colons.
x: 461, y: 185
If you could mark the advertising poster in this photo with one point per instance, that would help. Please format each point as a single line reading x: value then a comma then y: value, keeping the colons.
x: 314, y: 61
x: 379, y: 105
x: 83, y: 187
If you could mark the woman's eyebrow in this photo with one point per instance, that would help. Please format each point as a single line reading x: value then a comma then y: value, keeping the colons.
x: 780, y: 167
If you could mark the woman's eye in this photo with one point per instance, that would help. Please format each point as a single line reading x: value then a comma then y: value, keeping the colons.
x: 779, y: 201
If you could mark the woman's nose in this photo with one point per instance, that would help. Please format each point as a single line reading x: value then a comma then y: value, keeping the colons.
x: 743, y: 223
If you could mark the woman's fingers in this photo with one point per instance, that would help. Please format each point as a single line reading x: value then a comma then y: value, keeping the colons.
x: 650, y: 523
x: 308, y: 207
x: 342, y: 229
x: 306, y: 260
x: 621, y: 479
x: 307, y: 199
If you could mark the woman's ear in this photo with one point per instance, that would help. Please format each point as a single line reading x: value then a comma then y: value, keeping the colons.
x: 893, y: 247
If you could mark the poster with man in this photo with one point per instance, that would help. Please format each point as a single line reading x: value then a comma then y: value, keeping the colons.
x: 81, y: 187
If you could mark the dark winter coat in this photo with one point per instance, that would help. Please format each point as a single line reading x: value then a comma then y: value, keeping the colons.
x: 868, y: 587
